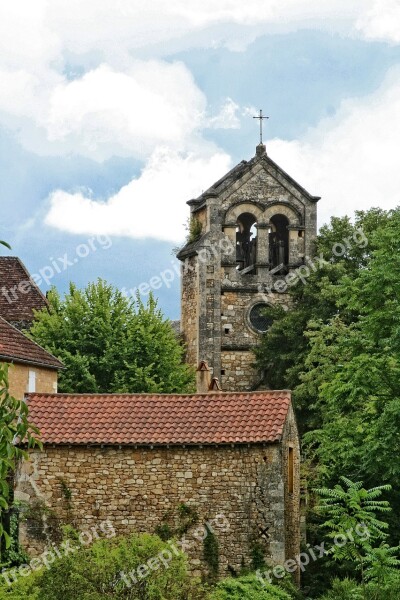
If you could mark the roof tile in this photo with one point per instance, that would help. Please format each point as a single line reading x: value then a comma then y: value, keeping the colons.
x: 143, y: 419
x: 16, y: 347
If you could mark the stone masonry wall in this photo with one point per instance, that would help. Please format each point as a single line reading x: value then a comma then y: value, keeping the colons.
x: 189, y: 308
x: 141, y: 489
x: 292, y: 500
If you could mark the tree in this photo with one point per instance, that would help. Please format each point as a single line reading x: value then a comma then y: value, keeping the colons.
x: 353, y: 526
x: 14, y: 427
x: 111, y: 344
x: 316, y: 301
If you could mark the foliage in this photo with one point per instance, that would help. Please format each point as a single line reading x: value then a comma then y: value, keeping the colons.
x: 175, y: 523
x: 97, y: 573
x: 3, y: 243
x: 247, y: 588
x: 110, y: 344
x: 14, y: 555
x: 349, y: 589
x: 195, y: 230
x: 14, y: 426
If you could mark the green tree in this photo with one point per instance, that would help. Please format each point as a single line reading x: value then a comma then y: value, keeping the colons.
x: 109, y: 343
x: 353, y: 526
x: 316, y: 301
x: 14, y: 427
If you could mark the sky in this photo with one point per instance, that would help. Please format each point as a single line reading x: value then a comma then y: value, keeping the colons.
x: 114, y: 113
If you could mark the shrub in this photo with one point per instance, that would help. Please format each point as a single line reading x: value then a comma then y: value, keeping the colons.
x: 109, y: 569
x: 247, y: 588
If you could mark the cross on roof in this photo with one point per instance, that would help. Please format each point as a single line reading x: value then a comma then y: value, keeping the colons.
x: 260, y: 117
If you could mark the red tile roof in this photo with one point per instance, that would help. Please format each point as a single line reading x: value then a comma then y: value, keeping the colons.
x: 16, y: 347
x: 145, y: 419
x: 17, y: 303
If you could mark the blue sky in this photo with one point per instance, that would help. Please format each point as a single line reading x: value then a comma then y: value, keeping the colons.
x: 113, y: 114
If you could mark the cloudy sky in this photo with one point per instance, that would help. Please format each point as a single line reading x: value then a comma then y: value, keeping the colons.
x: 113, y: 113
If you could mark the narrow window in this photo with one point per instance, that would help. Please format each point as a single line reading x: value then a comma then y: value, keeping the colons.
x: 32, y: 381
x: 291, y: 470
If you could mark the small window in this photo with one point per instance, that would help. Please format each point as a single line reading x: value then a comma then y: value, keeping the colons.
x: 258, y: 319
x: 291, y: 471
x: 226, y: 330
x: 32, y: 381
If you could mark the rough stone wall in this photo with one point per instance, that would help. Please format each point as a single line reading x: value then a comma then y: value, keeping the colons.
x: 292, y: 500
x: 46, y: 380
x: 189, y: 308
x: 237, y: 371
x: 141, y: 489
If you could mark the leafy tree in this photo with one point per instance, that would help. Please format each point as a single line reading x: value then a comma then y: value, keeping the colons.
x: 109, y: 343
x: 316, y: 301
x: 354, y: 527
x: 14, y: 426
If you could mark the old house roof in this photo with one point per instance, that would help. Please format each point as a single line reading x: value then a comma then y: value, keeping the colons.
x: 16, y: 347
x: 19, y: 295
x: 160, y: 419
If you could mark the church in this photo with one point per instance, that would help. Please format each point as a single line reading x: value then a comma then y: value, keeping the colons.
x: 228, y: 454
x: 255, y: 227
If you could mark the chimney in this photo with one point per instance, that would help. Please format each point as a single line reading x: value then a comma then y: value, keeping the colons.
x: 203, y: 378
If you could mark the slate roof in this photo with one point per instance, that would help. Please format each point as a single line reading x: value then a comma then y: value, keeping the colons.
x: 163, y: 419
x: 20, y: 309
x: 16, y: 347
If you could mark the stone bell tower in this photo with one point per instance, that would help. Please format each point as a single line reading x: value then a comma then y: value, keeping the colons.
x: 250, y: 232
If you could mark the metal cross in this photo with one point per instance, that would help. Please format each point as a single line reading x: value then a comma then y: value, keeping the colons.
x: 260, y: 117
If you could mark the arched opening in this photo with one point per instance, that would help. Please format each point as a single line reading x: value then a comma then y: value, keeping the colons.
x: 279, y: 241
x: 246, y: 243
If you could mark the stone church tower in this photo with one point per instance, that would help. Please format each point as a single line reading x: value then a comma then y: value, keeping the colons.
x: 249, y: 233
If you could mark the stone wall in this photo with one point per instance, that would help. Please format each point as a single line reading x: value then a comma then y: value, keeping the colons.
x: 141, y: 490
x: 189, y: 308
x: 46, y: 380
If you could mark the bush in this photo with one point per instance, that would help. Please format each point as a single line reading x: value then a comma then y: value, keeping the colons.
x: 348, y: 589
x: 109, y: 569
x: 247, y: 588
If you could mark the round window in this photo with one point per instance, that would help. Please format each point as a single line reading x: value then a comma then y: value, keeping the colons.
x: 258, y: 319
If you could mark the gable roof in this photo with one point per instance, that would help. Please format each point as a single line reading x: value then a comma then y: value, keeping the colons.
x: 16, y: 305
x: 16, y: 347
x: 160, y: 419
x: 237, y: 173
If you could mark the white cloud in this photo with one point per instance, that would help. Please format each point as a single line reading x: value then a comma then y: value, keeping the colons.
x: 350, y: 160
x: 152, y: 205
x: 382, y: 21
x: 227, y: 117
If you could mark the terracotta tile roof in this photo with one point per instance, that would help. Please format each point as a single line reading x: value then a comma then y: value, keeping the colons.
x: 15, y: 305
x: 16, y: 347
x: 145, y: 419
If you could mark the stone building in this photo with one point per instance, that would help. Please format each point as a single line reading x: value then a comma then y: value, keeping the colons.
x: 251, y: 230
x: 230, y: 459
x: 32, y: 368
